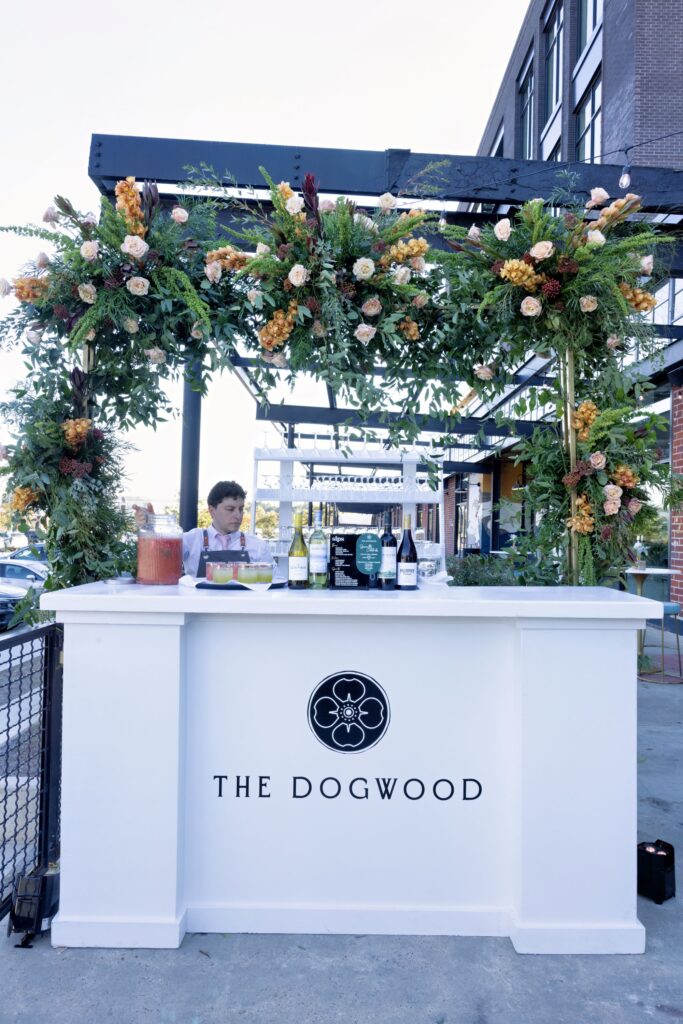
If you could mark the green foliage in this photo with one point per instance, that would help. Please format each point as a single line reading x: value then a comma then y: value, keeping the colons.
x: 481, y: 571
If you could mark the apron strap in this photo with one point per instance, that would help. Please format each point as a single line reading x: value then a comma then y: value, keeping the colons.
x: 243, y: 541
x: 206, y: 540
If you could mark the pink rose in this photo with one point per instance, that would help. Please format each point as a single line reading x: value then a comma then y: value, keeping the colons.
x: 634, y: 506
x: 179, y: 215
x: 613, y: 341
x: 372, y: 307
x: 598, y: 197
x: 326, y: 206
x: 420, y: 300
x: 611, y: 507
x: 612, y: 492
x: 365, y: 333
x: 542, y: 250
x: 530, y: 306
x: 484, y: 372
x: 597, y: 460
x: 502, y: 230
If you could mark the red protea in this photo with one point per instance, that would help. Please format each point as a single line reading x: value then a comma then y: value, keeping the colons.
x: 552, y: 288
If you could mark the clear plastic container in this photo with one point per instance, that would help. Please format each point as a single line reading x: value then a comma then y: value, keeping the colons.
x: 160, y: 551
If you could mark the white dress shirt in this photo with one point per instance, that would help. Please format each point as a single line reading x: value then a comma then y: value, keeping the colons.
x: 193, y: 542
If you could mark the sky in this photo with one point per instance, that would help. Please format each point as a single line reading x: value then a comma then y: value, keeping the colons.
x: 357, y: 75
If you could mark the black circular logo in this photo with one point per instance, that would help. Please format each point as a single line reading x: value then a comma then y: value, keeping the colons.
x: 348, y: 712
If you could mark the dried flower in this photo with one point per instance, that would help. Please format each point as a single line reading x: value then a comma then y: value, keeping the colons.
x: 364, y: 268
x: 387, y: 201
x: 134, y: 246
x: 639, y: 299
x: 409, y: 329
x: 155, y: 355
x: 503, y: 230
x: 137, y: 285
x: 419, y: 264
x: 371, y: 307
x: 90, y: 251
x: 294, y: 205
x: 299, y: 275
x: 90, y: 336
x: 552, y: 288
x: 530, y: 306
x: 87, y: 293
x: 598, y: 197
x: 34, y: 337
x: 521, y: 274
x: 213, y: 271
x: 542, y: 250
x: 279, y: 327
x: 365, y: 333
x: 402, y: 251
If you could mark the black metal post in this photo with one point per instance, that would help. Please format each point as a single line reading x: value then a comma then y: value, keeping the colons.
x: 52, y: 748
x: 495, y: 503
x: 189, y: 465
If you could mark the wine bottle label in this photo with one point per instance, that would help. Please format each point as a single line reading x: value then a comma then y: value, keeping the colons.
x: 387, y: 570
x: 407, y: 574
x: 298, y: 567
x: 317, y: 558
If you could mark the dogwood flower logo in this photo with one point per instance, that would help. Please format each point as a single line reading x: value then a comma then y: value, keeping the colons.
x: 348, y: 712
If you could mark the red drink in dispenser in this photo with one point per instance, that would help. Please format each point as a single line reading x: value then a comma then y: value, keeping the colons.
x: 160, y: 551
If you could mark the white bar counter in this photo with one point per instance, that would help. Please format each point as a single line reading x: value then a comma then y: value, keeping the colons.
x: 453, y: 761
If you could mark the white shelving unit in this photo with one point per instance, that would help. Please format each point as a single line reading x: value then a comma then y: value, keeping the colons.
x: 412, y: 489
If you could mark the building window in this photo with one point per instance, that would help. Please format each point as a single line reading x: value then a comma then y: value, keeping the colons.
x: 589, y: 124
x: 553, y: 60
x: 498, y: 143
x: 590, y: 16
x: 526, y: 120
x: 556, y: 153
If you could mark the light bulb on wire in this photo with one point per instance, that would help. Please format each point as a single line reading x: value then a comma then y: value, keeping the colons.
x: 443, y: 223
x: 625, y: 179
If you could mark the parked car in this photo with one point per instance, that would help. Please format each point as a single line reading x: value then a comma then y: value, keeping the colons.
x: 23, y: 574
x: 9, y: 595
x: 32, y: 553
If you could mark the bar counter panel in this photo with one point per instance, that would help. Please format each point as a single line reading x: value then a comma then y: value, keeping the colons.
x: 449, y: 761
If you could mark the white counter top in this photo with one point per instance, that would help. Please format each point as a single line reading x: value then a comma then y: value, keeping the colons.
x: 440, y: 602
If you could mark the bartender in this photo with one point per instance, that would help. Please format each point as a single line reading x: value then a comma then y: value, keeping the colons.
x: 226, y: 508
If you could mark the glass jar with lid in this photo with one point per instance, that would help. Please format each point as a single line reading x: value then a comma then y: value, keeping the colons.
x: 160, y: 551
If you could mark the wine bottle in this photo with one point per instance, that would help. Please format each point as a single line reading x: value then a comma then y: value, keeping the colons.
x: 297, y: 568
x: 386, y: 579
x: 406, y: 560
x: 317, y: 554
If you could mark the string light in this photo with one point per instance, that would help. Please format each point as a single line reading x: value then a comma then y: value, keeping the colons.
x: 443, y: 223
x: 625, y: 179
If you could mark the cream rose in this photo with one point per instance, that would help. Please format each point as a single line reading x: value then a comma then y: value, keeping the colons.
x: 598, y: 197
x: 253, y: 295
x: 612, y: 492
x: 484, y: 372
x: 298, y: 275
x: 613, y: 341
x: 595, y: 238
x: 90, y: 336
x: 474, y: 233
x: 420, y: 300
x: 326, y: 206
x: 90, y: 251
x: 502, y: 230
x: 294, y: 205
x: 34, y: 336
x: 402, y: 275
x: 365, y: 333
x: 365, y: 221
x: 180, y: 215
x: 364, y: 268
x: 87, y: 293
x: 155, y: 355
x: 588, y: 303
x: 318, y: 329
x: 137, y: 285
x: 262, y: 249
x: 387, y: 201
x: 646, y: 265
x: 134, y: 246
x: 530, y: 306
x: 419, y: 264
x: 43, y: 260
x: 542, y: 250
x: 278, y: 359
x: 611, y: 507
x: 372, y: 307
x: 51, y: 215
x: 5, y: 287
x: 130, y: 325
x: 197, y: 331
x: 213, y: 271
x: 597, y: 460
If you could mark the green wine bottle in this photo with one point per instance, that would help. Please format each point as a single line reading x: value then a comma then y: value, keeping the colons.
x: 297, y: 567
x: 317, y: 554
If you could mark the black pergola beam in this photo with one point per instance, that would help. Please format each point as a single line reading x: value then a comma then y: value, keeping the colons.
x: 468, y: 425
x: 476, y: 179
